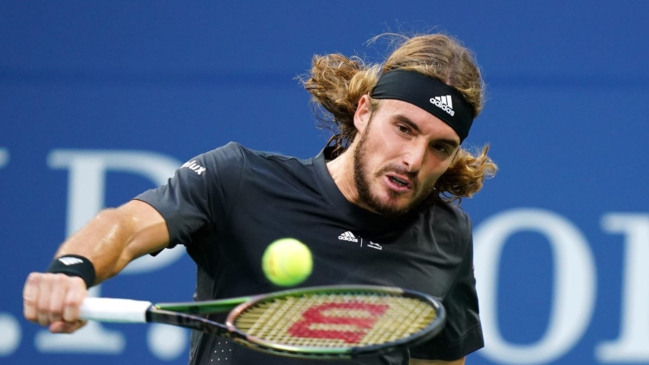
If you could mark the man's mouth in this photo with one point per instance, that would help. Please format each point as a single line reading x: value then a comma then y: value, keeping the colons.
x: 399, y: 182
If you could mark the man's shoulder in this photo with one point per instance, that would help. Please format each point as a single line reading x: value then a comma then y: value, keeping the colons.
x: 236, y: 148
x: 237, y: 158
x: 451, y: 215
x: 453, y: 211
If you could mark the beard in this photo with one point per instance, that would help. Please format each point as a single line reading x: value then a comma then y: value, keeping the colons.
x: 362, y: 180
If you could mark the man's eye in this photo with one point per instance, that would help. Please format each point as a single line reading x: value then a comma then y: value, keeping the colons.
x: 403, y: 129
x: 440, y: 147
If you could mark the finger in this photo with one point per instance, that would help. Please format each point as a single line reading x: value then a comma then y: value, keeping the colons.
x: 66, y: 327
x: 30, y: 296
x: 76, y: 293
x: 57, y: 295
x: 43, y: 302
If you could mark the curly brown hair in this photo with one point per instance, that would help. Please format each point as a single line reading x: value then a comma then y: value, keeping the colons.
x: 336, y: 83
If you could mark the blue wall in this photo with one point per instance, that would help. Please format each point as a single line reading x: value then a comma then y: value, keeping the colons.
x: 101, y: 100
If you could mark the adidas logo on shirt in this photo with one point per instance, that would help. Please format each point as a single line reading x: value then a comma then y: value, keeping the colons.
x: 348, y: 236
x: 444, y: 102
x: 67, y: 261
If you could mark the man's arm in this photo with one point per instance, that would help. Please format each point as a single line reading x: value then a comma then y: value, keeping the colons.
x: 437, y: 362
x: 110, y: 241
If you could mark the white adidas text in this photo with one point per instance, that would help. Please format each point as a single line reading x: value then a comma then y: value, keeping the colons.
x: 445, y: 103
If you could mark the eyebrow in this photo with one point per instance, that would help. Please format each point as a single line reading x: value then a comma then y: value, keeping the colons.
x: 402, y: 118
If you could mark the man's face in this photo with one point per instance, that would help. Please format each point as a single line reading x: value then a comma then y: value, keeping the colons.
x: 401, y: 152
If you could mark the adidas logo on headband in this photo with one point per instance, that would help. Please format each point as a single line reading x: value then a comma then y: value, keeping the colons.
x: 444, y: 102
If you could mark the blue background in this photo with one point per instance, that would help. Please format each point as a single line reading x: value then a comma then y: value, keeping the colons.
x: 566, y: 118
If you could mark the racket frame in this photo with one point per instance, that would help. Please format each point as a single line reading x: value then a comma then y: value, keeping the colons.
x: 186, y: 314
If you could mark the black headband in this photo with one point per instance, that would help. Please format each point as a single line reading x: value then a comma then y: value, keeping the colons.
x: 430, y: 94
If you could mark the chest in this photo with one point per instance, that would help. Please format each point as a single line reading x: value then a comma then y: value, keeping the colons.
x: 411, y: 256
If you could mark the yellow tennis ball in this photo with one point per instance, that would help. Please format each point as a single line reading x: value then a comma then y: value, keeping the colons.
x: 287, y: 262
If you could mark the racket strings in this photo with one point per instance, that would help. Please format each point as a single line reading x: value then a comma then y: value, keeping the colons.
x: 336, y: 320
x: 406, y: 318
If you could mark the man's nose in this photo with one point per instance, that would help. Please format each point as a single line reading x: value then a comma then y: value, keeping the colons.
x: 414, y: 157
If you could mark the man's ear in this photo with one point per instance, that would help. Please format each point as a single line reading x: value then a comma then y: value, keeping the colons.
x: 362, y: 114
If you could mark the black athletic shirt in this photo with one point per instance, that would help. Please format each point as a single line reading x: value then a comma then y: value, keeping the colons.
x: 227, y: 205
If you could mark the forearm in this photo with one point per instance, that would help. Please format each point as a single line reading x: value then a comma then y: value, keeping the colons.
x: 104, y: 241
x: 117, y: 236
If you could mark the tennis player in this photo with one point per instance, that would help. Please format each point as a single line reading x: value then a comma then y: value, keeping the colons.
x: 378, y: 205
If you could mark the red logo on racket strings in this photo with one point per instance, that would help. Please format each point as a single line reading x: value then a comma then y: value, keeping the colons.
x: 350, y: 329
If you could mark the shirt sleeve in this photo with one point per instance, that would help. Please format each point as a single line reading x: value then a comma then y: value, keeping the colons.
x: 197, y: 195
x: 462, y: 333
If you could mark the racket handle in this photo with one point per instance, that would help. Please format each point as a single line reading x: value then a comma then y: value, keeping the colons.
x: 114, y: 310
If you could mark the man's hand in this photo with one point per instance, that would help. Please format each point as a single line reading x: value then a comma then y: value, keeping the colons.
x: 54, y: 300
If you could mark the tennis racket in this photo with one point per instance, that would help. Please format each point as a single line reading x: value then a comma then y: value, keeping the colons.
x: 327, y: 322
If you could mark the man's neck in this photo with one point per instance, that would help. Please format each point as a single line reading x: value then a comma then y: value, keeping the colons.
x: 341, y: 170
